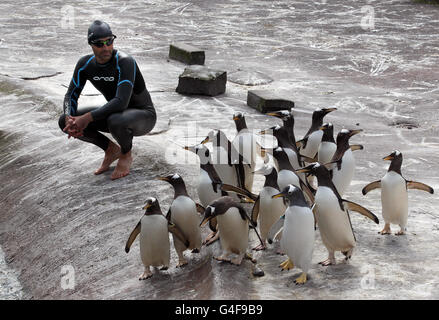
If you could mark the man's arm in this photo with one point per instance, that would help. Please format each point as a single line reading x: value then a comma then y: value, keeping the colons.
x: 76, y: 85
x: 70, y: 105
x: 127, y: 67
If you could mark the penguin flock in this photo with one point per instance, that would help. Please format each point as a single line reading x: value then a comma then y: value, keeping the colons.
x: 305, y: 181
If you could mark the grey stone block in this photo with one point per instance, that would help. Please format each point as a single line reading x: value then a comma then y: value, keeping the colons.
x: 266, y: 101
x: 202, y: 80
x: 186, y: 53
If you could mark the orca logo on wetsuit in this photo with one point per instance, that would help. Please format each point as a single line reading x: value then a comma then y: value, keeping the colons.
x: 103, y: 78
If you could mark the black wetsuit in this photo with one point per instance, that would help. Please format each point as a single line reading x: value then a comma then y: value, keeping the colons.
x: 129, y: 111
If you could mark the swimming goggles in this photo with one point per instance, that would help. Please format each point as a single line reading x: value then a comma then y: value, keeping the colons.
x: 101, y: 43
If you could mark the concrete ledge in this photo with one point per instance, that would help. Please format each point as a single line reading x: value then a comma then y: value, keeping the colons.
x: 202, y: 80
x: 266, y: 101
x: 186, y: 53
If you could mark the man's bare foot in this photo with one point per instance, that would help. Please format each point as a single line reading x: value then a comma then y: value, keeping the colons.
x: 111, y: 154
x: 123, y: 166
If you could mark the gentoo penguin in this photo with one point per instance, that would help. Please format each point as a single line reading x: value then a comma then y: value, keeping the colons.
x: 309, y: 145
x: 233, y: 225
x: 298, y: 233
x: 394, y: 196
x: 287, y: 175
x: 246, y: 144
x: 328, y: 146
x: 331, y: 213
x: 266, y: 210
x: 154, y: 239
x: 343, y: 162
x: 208, y: 185
x: 226, y: 159
x: 283, y: 141
x: 209, y: 181
x: 183, y: 213
x: 288, y: 123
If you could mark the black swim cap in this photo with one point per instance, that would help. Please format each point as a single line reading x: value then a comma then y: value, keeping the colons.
x: 97, y: 30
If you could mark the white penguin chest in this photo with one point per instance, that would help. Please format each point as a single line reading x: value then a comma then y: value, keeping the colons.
x: 184, y: 215
x: 394, y: 198
x: 245, y: 144
x: 342, y: 177
x: 326, y: 151
x: 270, y: 209
x: 154, y: 240
x: 219, y: 155
x: 334, y: 225
x: 206, y: 192
x: 298, y: 235
x: 292, y: 156
x: 227, y: 173
x: 233, y: 230
x: 184, y: 212
x: 312, y: 144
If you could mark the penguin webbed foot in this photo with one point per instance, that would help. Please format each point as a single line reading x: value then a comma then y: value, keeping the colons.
x: 386, y: 230
x: 400, y: 233
x: 301, y: 279
x: 327, y: 262
x: 145, y: 275
x: 287, y: 265
x: 211, y: 238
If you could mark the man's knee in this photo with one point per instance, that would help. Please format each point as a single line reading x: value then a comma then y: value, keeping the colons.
x: 116, y: 123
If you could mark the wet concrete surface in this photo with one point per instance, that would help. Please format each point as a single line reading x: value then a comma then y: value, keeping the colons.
x: 56, y: 213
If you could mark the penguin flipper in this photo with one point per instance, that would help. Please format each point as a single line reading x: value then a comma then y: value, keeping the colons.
x: 371, y: 186
x: 419, y: 186
x: 275, y: 229
x: 307, y: 191
x: 360, y: 209
x: 175, y: 230
x: 213, y: 224
x: 248, y: 194
x: 239, y: 168
x: 255, y: 211
x: 132, y: 237
x: 355, y: 147
x: 252, y: 225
